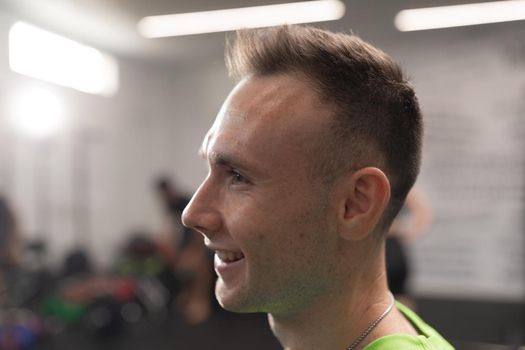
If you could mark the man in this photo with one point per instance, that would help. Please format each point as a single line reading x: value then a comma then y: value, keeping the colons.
x: 9, y: 240
x: 9, y: 247
x: 310, y: 158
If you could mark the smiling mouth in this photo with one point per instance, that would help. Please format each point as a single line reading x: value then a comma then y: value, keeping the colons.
x: 229, y: 256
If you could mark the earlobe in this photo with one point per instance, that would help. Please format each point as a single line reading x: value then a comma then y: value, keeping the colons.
x: 367, y: 192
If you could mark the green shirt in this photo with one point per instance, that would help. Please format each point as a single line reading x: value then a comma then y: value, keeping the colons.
x: 428, y: 338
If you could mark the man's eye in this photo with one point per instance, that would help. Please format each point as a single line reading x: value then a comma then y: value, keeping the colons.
x: 237, y: 178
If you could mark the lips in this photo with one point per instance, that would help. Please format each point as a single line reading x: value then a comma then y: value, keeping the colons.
x: 229, y: 264
x: 229, y: 256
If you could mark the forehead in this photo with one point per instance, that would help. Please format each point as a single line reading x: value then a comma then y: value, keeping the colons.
x: 275, y: 116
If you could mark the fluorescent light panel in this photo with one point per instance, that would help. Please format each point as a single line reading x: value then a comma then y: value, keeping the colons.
x: 246, y: 17
x: 460, y: 15
x: 47, y: 56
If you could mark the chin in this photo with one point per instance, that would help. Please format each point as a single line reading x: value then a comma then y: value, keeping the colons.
x: 234, y: 301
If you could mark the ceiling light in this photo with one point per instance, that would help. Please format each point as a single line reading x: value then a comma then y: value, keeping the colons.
x: 460, y: 15
x: 36, y: 112
x: 47, y: 56
x: 246, y: 17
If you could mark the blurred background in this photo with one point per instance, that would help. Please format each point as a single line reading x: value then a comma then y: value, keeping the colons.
x: 100, y: 122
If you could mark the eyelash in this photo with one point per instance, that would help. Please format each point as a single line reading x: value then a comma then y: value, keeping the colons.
x: 237, y: 178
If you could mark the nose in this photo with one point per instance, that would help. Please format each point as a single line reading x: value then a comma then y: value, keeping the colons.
x: 202, y: 213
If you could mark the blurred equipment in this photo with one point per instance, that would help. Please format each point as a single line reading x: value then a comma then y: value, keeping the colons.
x: 155, y: 284
x: 20, y: 329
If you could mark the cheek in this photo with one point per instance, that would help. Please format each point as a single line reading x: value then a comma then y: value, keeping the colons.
x: 257, y: 209
x: 293, y: 235
x: 259, y: 224
x: 280, y: 224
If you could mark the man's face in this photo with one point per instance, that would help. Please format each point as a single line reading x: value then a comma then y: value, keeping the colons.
x: 269, y: 223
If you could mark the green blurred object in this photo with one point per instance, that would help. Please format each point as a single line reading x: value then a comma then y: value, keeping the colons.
x: 65, y: 311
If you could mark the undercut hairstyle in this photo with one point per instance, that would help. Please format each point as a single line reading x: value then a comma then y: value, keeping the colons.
x: 376, y: 120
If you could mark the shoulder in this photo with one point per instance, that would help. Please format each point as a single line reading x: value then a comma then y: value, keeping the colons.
x: 407, y: 342
x: 428, y: 338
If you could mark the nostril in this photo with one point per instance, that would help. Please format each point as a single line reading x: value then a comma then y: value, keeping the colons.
x: 207, y: 222
x: 201, y: 230
x: 201, y: 219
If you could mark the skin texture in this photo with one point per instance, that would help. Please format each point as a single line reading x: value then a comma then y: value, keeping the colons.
x: 273, y: 214
x: 312, y: 259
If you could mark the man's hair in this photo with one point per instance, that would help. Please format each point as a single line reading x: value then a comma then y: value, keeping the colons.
x: 377, y: 120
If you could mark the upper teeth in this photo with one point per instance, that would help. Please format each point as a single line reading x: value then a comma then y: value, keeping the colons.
x: 228, y: 256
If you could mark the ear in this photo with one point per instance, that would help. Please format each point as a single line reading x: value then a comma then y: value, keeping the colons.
x: 366, y: 195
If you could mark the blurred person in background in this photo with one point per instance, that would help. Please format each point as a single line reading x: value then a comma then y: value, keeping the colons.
x: 411, y: 223
x: 310, y: 159
x: 9, y: 245
x: 183, y: 249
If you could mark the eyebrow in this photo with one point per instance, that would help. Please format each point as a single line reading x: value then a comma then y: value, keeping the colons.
x: 222, y: 159
x: 227, y: 160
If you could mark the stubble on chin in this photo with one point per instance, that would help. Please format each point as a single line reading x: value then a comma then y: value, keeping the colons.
x: 231, y: 299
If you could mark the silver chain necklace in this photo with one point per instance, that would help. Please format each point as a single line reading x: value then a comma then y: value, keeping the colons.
x: 372, y: 325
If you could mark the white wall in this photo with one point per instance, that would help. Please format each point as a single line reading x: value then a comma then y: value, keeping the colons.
x: 473, y: 95
x: 125, y: 141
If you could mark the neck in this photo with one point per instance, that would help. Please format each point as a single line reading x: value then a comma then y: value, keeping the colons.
x: 338, y: 318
